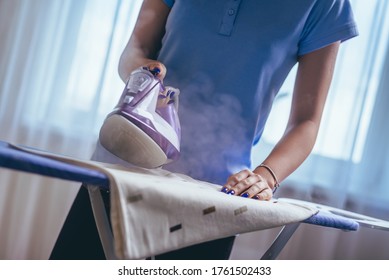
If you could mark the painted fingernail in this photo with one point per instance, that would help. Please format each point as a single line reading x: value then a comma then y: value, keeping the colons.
x: 155, y: 71
x: 245, y: 194
x: 256, y: 197
x: 225, y: 190
x: 171, y: 93
x: 231, y: 192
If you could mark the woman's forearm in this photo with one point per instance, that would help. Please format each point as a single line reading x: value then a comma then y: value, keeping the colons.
x: 290, y: 152
x: 133, y: 57
x: 146, y: 39
x: 312, y: 84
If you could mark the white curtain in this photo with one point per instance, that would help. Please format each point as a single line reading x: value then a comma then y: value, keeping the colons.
x: 58, y: 80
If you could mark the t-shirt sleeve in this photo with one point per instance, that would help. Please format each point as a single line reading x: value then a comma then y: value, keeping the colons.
x: 169, y: 3
x: 329, y: 21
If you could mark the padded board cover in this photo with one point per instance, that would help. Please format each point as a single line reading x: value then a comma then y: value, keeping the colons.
x: 154, y: 211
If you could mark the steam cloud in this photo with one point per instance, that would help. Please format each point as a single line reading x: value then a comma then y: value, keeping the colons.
x: 213, y: 132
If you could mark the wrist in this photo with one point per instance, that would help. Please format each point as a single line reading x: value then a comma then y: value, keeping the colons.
x: 269, y: 175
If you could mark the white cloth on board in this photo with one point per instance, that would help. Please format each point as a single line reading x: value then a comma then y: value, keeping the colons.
x: 154, y: 211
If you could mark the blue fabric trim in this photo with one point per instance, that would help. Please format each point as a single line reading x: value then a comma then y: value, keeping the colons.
x: 327, y: 219
x: 23, y: 161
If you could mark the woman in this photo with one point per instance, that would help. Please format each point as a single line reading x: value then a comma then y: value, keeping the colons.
x: 232, y: 57
x: 229, y: 58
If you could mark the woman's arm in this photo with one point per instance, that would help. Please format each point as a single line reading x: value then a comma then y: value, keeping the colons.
x: 145, y: 41
x: 312, y: 83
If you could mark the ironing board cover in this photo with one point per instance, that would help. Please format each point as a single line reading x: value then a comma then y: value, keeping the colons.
x: 155, y: 211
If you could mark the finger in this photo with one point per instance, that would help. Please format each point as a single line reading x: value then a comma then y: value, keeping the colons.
x: 237, y: 177
x: 265, y: 194
x: 254, y: 181
x: 254, y: 189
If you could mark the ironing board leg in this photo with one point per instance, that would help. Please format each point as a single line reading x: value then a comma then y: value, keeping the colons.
x: 102, y: 222
x: 279, y: 243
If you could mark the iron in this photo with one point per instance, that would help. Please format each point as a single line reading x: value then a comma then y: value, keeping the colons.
x: 144, y: 129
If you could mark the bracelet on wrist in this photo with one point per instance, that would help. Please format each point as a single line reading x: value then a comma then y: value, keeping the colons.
x: 276, y: 184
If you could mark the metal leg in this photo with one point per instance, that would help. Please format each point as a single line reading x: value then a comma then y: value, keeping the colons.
x: 279, y: 243
x: 102, y: 222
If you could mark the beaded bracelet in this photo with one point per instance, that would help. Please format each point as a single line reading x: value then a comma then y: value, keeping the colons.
x: 276, y: 184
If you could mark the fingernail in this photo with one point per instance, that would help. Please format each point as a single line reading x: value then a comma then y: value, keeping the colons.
x: 171, y: 93
x: 245, y: 194
x: 256, y: 197
x: 155, y: 71
x: 231, y: 192
x: 224, y: 190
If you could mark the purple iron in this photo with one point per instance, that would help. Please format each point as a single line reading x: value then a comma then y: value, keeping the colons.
x: 144, y: 129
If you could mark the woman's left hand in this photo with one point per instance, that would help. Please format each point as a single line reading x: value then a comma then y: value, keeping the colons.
x: 248, y: 184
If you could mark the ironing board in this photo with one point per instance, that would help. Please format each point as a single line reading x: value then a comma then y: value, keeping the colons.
x: 16, y: 159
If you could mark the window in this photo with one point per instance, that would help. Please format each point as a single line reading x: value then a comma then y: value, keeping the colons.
x: 350, y: 102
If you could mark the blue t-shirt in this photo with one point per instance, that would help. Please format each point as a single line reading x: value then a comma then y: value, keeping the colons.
x: 229, y: 58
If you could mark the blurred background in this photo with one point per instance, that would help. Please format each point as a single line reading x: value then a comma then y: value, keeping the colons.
x: 58, y: 80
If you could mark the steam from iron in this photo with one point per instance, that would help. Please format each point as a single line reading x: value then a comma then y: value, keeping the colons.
x: 213, y: 132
